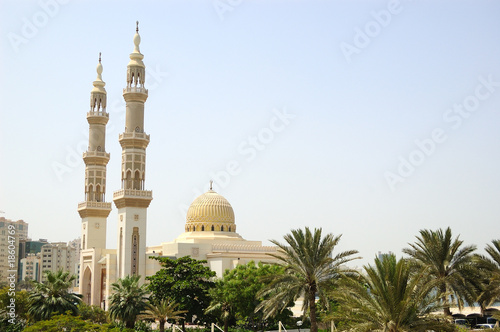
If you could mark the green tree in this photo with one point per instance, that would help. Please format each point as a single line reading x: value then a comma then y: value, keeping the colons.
x: 128, y: 300
x: 185, y: 280
x: 310, y: 270
x: 237, y: 294
x: 21, y: 302
x: 221, y: 303
x: 490, y: 266
x: 92, y: 313
x: 449, y: 265
x: 389, y: 297
x: 53, y: 296
x: 161, y: 311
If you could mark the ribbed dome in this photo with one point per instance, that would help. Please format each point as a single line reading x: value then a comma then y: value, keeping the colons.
x: 210, y: 212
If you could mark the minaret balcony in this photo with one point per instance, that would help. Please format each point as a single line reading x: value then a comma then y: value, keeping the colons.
x: 97, y: 113
x: 133, y: 140
x: 135, y: 93
x: 132, y: 198
x: 135, y: 89
x: 97, y: 117
x: 94, y: 209
x: 96, y: 157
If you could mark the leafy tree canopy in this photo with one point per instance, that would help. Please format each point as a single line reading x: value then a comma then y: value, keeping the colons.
x: 92, y: 313
x: 21, y: 301
x: 185, y: 280
x: 241, y: 286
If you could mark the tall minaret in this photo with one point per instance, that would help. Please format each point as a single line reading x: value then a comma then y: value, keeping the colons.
x: 95, y: 210
x: 132, y: 200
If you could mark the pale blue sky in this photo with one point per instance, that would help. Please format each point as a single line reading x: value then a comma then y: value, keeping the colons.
x: 220, y: 71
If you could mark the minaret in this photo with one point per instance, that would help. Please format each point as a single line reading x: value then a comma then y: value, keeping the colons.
x: 95, y: 210
x: 132, y: 200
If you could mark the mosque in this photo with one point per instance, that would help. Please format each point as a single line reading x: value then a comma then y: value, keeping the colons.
x: 210, y: 229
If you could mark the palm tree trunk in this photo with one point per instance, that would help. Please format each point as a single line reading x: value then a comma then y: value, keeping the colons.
x: 312, y: 310
x: 162, y: 325
x: 226, y: 325
x: 446, y: 309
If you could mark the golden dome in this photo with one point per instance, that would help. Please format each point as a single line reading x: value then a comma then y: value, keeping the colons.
x: 210, y: 212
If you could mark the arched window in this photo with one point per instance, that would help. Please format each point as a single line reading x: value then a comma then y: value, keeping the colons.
x: 229, y: 229
x: 202, y: 228
x: 213, y: 228
x: 129, y: 180
x: 222, y: 228
x: 98, y: 193
x: 137, y: 180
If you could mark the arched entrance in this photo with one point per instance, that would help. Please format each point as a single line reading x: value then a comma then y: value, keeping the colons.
x: 87, y: 286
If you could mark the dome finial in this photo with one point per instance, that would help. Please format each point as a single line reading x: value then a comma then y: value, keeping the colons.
x: 99, y: 57
x: 211, y: 182
x: 137, y: 39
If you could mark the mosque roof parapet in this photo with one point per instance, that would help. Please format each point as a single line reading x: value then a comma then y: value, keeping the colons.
x: 242, y: 248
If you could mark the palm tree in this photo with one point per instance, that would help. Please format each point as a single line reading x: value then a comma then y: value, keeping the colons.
x: 490, y: 266
x: 161, y: 310
x: 310, y: 271
x: 448, y: 264
x: 389, y: 298
x: 128, y: 300
x: 53, y: 296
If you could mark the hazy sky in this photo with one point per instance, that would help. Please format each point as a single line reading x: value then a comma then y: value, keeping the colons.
x: 371, y: 119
